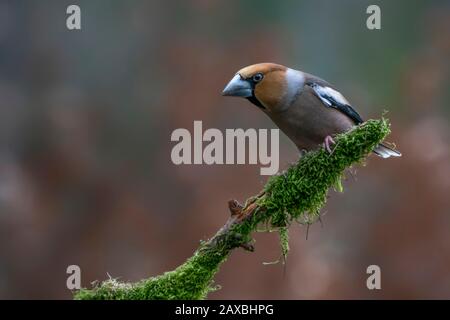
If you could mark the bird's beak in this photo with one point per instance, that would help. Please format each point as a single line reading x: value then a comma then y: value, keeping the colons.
x: 238, y: 87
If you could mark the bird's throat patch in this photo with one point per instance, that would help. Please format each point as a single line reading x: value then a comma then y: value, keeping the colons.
x: 256, y: 102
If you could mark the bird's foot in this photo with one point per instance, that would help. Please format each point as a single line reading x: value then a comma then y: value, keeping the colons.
x: 327, y: 142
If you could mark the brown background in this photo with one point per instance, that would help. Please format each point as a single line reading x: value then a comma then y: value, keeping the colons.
x: 85, y: 124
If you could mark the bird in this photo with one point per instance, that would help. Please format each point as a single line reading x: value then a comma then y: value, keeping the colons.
x: 308, y: 109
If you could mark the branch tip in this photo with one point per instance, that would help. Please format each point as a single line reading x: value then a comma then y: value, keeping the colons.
x: 235, y: 207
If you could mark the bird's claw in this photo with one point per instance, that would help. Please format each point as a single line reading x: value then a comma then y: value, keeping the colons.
x: 327, y: 142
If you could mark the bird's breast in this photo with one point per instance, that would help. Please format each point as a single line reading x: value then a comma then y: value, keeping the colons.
x: 307, y: 121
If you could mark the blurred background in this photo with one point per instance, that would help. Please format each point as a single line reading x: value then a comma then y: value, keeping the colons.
x: 86, y: 116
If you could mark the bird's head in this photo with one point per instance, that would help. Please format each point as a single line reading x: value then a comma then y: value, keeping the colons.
x: 267, y: 85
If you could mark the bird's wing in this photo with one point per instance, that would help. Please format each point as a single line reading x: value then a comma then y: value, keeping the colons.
x: 334, y: 99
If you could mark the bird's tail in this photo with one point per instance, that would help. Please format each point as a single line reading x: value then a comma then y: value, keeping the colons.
x: 385, y: 151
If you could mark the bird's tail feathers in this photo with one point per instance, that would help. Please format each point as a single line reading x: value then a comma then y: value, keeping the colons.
x: 385, y: 151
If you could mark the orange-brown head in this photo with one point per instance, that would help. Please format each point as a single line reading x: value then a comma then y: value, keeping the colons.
x: 267, y: 85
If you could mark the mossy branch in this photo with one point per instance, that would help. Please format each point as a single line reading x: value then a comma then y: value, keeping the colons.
x: 296, y: 195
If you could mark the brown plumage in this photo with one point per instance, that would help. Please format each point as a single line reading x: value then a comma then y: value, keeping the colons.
x: 309, y: 110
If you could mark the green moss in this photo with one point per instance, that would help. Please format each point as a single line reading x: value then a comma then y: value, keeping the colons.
x: 298, y: 194
x: 284, y: 241
x: 191, y: 280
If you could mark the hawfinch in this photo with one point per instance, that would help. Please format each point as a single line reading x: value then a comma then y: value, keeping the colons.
x: 309, y: 110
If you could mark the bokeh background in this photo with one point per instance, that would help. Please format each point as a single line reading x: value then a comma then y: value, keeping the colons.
x: 85, y: 123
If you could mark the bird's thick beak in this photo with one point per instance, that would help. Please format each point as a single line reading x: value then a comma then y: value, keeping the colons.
x: 238, y: 87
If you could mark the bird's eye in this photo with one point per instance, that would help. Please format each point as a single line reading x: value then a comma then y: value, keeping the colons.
x: 258, y: 77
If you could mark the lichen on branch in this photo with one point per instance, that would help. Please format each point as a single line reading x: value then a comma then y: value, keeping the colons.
x: 295, y: 195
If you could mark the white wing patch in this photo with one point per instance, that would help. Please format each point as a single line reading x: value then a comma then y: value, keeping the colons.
x: 327, y: 95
